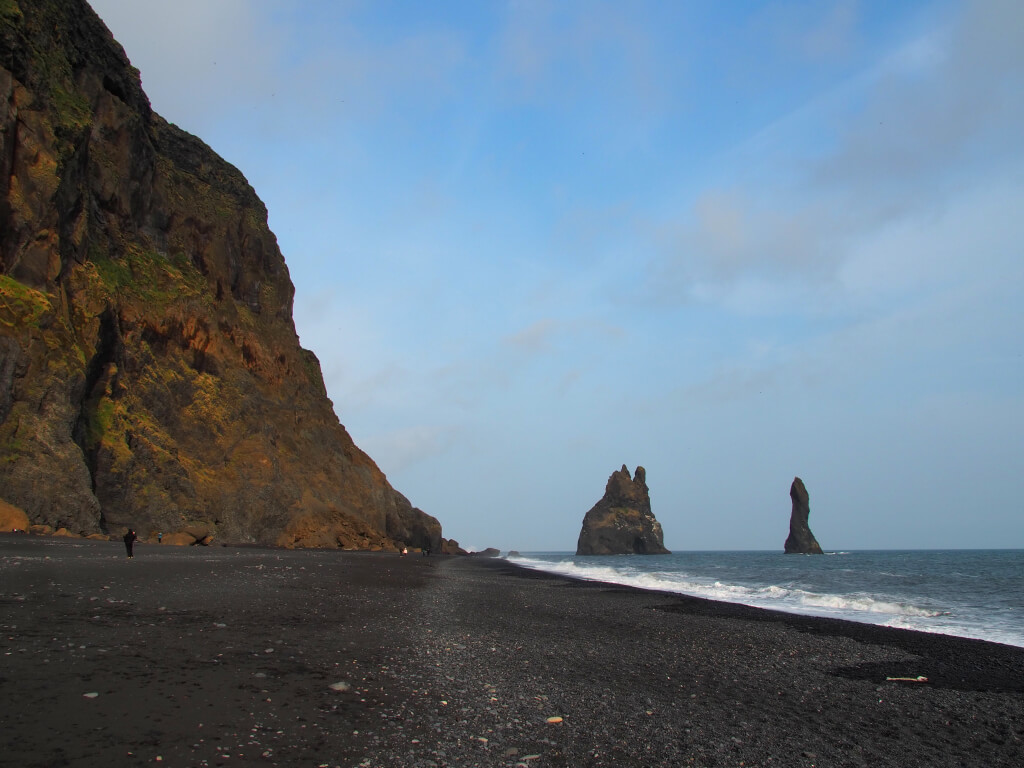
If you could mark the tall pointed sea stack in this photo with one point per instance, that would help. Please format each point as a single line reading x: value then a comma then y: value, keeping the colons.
x: 622, y: 523
x: 800, y: 540
x: 150, y: 372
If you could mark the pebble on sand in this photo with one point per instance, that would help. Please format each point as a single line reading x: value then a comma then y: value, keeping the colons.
x: 340, y: 686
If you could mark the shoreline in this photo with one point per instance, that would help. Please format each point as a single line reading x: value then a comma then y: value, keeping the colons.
x: 922, y: 612
x: 227, y: 656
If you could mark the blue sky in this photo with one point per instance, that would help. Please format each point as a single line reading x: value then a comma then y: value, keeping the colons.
x: 731, y: 242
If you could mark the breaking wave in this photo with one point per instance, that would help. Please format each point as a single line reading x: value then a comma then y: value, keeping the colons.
x: 868, y: 596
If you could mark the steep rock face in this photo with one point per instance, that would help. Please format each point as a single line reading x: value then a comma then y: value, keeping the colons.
x: 150, y: 372
x: 621, y: 522
x: 800, y: 539
x: 12, y: 518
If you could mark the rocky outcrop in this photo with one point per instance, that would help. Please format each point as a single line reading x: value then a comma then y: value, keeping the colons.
x: 451, y: 547
x: 12, y: 518
x: 622, y: 522
x: 178, y: 539
x: 150, y: 372
x: 489, y: 552
x: 800, y: 540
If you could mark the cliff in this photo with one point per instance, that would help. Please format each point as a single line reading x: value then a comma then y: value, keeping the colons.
x: 150, y: 372
x: 622, y: 522
x: 800, y: 539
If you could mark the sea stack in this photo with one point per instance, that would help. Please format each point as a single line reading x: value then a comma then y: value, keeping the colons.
x: 622, y: 523
x: 800, y: 540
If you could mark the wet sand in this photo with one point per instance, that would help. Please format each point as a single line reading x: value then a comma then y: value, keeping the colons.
x: 227, y: 657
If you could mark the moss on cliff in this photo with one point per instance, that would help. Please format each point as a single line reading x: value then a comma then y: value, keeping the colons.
x: 10, y: 11
x: 21, y: 306
x: 71, y: 107
x: 148, y: 277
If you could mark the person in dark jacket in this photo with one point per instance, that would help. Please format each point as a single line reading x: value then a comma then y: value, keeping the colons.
x: 129, y: 541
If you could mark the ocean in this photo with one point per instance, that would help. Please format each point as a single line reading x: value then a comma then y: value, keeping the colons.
x: 969, y: 593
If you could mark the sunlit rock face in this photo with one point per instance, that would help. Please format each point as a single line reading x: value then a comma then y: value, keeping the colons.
x: 150, y: 372
x: 622, y: 523
x: 800, y: 540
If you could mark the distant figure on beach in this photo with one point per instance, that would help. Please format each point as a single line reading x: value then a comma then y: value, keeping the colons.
x: 159, y: 538
x: 405, y: 551
x: 129, y: 541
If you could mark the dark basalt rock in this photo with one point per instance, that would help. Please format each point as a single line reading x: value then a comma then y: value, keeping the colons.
x: 451, y: 547
x: 622, y: 523
x: 150, y: 373
x: 800, y: 540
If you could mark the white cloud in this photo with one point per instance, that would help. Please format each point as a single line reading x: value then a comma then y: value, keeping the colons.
x: 918, y: 136
x: 535, y: 337
x: 946, y: 107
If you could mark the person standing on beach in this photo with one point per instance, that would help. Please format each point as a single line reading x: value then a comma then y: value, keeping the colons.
x: 129, y: 541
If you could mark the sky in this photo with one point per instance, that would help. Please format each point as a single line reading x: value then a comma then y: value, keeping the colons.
x: 733, y: 243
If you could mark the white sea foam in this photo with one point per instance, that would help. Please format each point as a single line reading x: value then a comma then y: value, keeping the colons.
x: 968, y: 593
x: 857, y: 606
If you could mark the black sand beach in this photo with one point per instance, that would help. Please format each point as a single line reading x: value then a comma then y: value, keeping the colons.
x: 227, y: 656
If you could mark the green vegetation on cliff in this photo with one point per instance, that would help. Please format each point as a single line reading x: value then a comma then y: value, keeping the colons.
x: 148, y: 277
x: 21, y: 306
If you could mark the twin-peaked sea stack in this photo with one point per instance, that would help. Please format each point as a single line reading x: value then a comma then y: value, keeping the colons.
x: 800, y: 540
x: 622, y: 523
x: 151, y: 376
